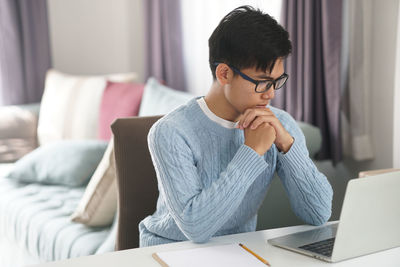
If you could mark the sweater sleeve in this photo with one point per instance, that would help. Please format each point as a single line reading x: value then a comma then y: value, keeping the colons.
x: 309, y: 191
x: 199, y: 212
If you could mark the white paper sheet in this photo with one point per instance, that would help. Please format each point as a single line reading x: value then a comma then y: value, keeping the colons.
x: 225, y: 255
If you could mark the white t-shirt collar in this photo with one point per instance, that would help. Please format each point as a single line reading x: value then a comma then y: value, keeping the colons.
x: 224, y: 123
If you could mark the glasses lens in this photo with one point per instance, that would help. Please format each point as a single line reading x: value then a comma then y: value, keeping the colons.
x: 263, y: 86
x: 280, y: 82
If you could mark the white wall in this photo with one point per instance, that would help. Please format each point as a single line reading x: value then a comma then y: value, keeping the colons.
x: 396, y: 103
x: 382, y: 77
x: 97, y: 36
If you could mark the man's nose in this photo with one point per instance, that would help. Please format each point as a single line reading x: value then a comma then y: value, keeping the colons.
x: 270, y: 94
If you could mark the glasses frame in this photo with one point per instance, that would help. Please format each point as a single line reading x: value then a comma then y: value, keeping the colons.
x: 257, y: 82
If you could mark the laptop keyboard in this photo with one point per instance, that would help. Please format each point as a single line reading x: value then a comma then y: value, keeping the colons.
x: 323, y: 247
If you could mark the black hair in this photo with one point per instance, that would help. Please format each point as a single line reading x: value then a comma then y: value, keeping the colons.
x: 246, y: 37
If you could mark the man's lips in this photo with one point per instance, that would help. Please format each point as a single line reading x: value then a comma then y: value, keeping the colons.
x: 261, y: 106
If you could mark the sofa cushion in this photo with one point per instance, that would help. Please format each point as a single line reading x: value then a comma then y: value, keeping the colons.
x: 119, y: 100
x: 70, y: 105
x: 110, y: 241
x: 159, y: 99
x: 99, y: 202
x: 5, y: 169
x: 36, y: 217
x: 69, y: 163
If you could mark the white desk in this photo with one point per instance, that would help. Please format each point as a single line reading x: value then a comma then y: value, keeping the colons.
x: 256, y: 241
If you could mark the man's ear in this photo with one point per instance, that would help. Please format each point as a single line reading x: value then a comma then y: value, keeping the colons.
x: 223, y: 73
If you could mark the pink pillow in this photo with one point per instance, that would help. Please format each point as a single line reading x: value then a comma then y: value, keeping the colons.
x: 119, y: 100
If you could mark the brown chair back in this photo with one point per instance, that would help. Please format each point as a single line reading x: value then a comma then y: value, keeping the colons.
x: 136, y: 177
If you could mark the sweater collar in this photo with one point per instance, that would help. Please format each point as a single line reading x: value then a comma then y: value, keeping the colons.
x: 210, y: 123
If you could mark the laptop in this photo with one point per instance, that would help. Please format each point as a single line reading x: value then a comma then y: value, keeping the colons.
x: 369, y: 222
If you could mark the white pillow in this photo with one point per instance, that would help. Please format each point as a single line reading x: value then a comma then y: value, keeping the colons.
x: 70, y: 105
x: 159, y: 99
x: 99, y: 202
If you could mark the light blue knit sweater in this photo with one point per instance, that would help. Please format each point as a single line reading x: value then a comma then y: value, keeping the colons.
x: 211, y: 184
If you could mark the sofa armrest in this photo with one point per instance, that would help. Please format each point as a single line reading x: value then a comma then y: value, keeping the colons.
x: 33, y: 108
x: 18, y: 131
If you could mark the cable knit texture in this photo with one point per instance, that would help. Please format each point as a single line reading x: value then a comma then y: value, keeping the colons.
x: 212, y: 184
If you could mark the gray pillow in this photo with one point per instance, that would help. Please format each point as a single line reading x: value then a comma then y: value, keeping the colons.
x: 159, y: 99
x: 69, y: 163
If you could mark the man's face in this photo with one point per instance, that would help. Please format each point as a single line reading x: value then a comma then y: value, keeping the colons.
x: 241, y: 93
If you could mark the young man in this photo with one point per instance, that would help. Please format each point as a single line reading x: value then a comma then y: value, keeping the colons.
x: 215, y: 156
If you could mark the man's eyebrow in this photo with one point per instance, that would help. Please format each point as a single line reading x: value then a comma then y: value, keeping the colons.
x: 264, y: 77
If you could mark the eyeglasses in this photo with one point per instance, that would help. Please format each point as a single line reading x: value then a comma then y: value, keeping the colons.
x: 261, y: 85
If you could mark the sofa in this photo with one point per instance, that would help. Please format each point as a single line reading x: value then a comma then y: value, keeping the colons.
x: 44, y: 219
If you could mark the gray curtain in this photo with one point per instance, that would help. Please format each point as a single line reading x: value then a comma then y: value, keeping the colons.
x: 164, y: 42
x: 24, y: 50
x: 312, y: 93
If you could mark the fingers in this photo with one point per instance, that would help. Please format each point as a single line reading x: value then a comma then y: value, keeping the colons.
x: 251, y: 114
x: 262, y: 119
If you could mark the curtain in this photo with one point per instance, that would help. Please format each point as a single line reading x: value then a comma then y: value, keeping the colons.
x: 312, y: 93
x: 164, y: 42
x: 24, y: 50
x: 357, y: 90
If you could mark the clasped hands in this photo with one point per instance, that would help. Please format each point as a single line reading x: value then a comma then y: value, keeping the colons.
x: 262, y: 129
